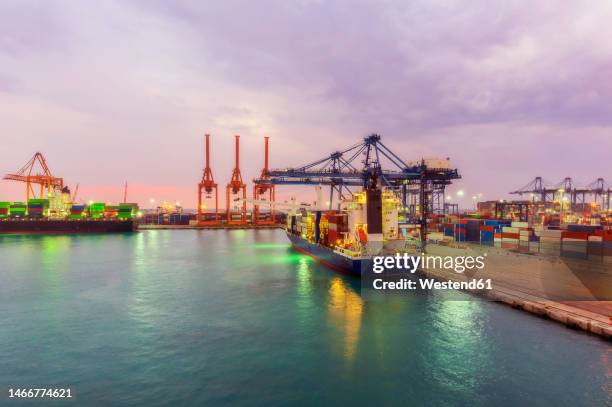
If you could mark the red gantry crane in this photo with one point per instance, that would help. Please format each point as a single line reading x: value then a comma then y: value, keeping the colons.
x: 41, y: 176
x: 263, y: 192
x: 209, y: 187
x: 233, y: 188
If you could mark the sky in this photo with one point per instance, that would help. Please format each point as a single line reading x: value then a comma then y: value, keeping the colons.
x: 118, y: 91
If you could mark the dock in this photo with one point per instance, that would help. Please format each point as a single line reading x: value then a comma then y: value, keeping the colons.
x: 539, y: 292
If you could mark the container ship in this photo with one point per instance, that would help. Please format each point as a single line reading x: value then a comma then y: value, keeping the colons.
x: 347, y: 240
x: 56, y: 214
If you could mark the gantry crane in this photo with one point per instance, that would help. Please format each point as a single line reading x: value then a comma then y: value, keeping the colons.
x: 233, y: 188
x: 41, y: 177
x: 208, y: 186
x: 341, y: 171
x: 263, y: 192
x: 543, y: 192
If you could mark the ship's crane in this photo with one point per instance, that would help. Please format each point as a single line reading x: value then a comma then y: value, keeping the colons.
x: 41, y: 176
x: 207, y: 186
x: 234, y: 187
x: 263, y: 190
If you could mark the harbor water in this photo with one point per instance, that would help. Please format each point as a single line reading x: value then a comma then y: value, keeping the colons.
x: 215, y: 318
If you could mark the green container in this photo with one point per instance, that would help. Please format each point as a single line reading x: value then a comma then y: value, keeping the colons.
x: 35, y: 201
x: 96, y: 210
x: 4, y: 209
x: 127, y: 211
x: 18, y: 209
x: 75, y: 216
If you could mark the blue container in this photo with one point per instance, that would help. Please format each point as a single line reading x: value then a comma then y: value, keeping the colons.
x: 460, y: 236
x: 487, y: 236
x: 583, y: 228
x: 574, y: 255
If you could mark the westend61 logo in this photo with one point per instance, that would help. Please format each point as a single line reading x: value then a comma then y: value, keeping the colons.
x: 400, y: 264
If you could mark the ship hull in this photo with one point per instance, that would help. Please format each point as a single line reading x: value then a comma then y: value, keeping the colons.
x: 331, y: 259
x: 65, y: 226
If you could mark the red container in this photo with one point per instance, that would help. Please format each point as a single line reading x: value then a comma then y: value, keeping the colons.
x: 332, y: 236
x: 605, y: 234
x: 487, y: 228
x: 575, y: 235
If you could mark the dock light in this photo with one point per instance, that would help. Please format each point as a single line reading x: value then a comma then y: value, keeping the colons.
x: 448, y: 197
x: 460, y: 192
x: 178, y: 203
x: 90, y: 201
x: 152, y: 200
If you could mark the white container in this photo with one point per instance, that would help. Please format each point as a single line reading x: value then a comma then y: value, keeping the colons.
x: 520, y: 224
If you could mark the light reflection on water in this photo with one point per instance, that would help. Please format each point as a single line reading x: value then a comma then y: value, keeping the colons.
x: 238, y: 318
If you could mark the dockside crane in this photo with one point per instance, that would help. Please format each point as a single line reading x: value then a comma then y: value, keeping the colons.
x: 234, y: 187
x: 42, y: 176
x: 341, y: 171
x: 207, y: 186
x: 264, y: 191
x: 567, y: 190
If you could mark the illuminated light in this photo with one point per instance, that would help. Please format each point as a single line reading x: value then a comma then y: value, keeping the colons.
x: 460, y: 192
x: 448, y: 197
x: 90, y: 201
x: 178, y: 203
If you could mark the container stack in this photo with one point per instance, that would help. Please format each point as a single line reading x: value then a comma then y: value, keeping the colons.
x: 96, y: 210
x: 4, y: 209
x: 337, y: 224
x: 76, y: 211
x: 510, y: 237
x: 574, y: 244
x: 127, y: 211
x: 595, y: 247
x: 459, y: 230
x: 472, y: 230
x: 178, y: 219
x: 18, y: 210
x: 550, y: 241
x: 606, y: 237
x: 449, y: 230
x: 38, y: 208
x: 498, y: 225
x: 487, y: 235
x: 111, y: 211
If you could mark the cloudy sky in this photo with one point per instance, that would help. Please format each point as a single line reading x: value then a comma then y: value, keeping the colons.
x: 124, y: 90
